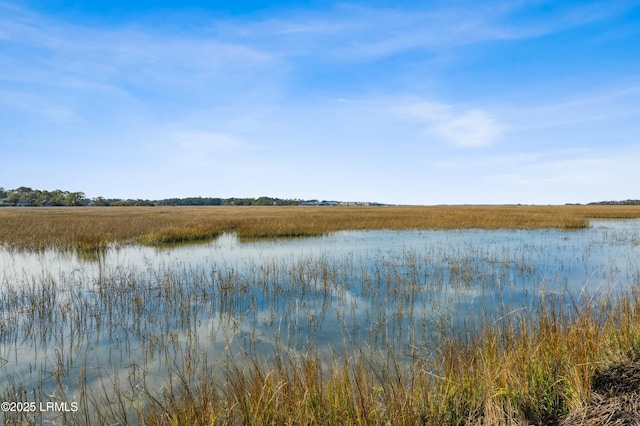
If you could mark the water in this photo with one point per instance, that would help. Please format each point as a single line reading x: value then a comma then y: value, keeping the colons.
x: 127, y: 320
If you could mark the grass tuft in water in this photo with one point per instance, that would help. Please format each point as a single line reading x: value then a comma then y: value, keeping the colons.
x: 178, y: 235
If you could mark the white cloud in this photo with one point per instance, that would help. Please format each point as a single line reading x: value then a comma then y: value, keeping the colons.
x: 469, y: 128
x: 60, y: 53
x: 472, y: 129
x: 352, y: 32
x: 348, y: 32
x: 250, y: 104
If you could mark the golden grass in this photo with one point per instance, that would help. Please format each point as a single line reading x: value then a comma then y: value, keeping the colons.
x: 90, y: 227
x: 529, y: 372
x: 528, y: 369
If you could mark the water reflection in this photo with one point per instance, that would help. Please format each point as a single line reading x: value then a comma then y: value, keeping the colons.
x: 123, y: 321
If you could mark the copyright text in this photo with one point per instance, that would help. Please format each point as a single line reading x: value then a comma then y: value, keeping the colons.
x: 30, y: 407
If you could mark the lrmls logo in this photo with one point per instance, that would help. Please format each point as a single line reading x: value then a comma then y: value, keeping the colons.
x: 59, y: 406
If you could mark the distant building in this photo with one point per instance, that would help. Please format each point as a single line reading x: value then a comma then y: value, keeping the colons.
x: 319, y: 203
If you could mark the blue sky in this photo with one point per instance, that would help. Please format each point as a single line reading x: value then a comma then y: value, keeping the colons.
x: 439, y: 102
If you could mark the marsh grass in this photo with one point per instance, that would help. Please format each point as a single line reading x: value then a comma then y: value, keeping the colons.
x: 405, y: 364
x: 177, y: 235
x: 92, y: 227
x: 241, y: 344
x: 528, y: 372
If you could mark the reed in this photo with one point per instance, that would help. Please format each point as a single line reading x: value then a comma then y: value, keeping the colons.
x: 178, y: 235
x: 68, y: 228
x: 404, y: 358
x: 530, y: 372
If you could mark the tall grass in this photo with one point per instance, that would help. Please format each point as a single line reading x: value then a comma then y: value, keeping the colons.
x: 532, y: 370
x: 135, y: 346
x: 417, y: 338
x: 92, y: 227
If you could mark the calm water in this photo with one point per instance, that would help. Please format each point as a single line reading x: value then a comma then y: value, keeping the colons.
x: 128, y: 318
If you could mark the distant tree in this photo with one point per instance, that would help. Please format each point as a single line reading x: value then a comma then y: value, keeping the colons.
x: 57, y: 198
x: 23, y: 190
x: 74, y: 198
x: 13, y: 197
x: 264, y: 201
x: 36, y: 197
x: 100, y: 201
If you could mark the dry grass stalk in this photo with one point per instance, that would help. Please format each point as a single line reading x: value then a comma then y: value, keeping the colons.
x: 623, y: 410
x: 615, y: 399
x: 533, y: 372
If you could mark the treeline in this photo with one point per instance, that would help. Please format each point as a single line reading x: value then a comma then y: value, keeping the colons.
x: 25, y: 196
x: 200, y: 201
x: 616, y: 203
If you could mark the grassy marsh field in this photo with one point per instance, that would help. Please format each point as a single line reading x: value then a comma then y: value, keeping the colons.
x: 568, y: 358
x: 94, y: 227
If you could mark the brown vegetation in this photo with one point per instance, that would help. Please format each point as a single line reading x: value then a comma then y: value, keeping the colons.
x: 94, y: 227
x: 527, y: 372
x: 566, y: 362
x: 615, y: 400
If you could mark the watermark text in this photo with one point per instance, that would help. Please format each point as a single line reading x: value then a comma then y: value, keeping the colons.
x: 32, y: 407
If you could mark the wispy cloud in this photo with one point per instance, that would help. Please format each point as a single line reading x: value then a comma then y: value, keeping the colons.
x: 445, y: 96
x: 464, y: 128
x: 472, y: 129
x: 350, y: 32
x: 605, y: 115
x: 62, y: 53
x: 353, y: 32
